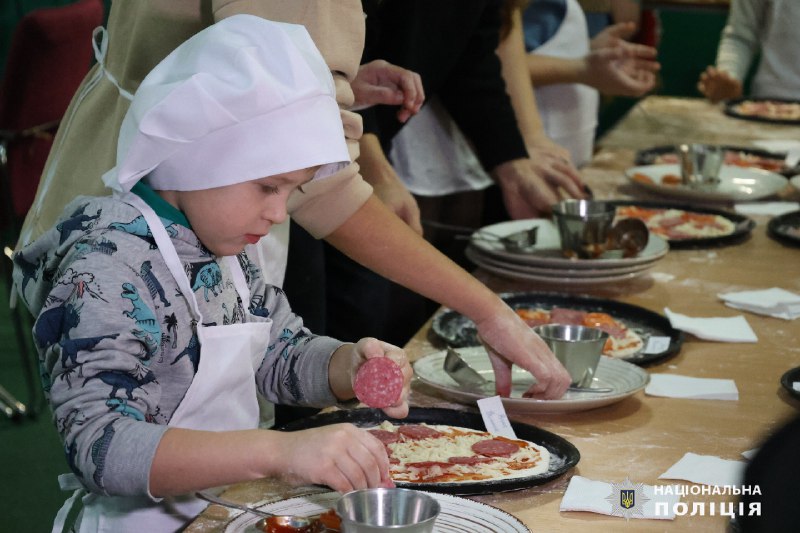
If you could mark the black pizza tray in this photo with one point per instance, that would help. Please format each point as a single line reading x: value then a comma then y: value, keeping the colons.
x: 730, y: 110
x: 648, y: 156
x: 459, y: 331
x: 789, y: 377
x: 777, y: 228
x: 563, y: 454
x: 744, y: 225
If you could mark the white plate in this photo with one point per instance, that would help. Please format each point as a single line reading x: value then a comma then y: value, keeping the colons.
x: 457, y: 514
x: 736, y: 183
x: 555, y: 272
x: 547, y: 250
x: 795, y: 181
x: 518, y: 273
x: 624, y: 378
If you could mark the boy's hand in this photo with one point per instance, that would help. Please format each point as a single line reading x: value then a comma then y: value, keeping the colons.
x: 340, y: 456
x: 348, y: 359
x: 718, y: 85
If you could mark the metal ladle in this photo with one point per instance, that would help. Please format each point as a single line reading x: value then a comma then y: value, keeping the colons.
x: 296, y: 522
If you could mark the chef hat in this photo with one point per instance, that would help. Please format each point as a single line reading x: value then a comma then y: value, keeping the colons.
x: 243, y: 99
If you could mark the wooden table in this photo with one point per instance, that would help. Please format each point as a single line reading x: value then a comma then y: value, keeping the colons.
x: 641, y: 437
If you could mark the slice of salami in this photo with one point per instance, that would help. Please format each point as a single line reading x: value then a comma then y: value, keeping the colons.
x: 386, y: 437
x: 416, y: 431
x: 379, y: 383
x: 495, y: 448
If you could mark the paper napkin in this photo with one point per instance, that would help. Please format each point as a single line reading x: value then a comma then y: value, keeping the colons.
x: 728, y: 329
x: 673, y: 386
x: 707, y: 470
x: 774, y: 302
x: 778, y: 145
x: 584, y: 494
x: 766, y: 208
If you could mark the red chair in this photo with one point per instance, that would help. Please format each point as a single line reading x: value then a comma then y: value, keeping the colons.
x: 49, y: 55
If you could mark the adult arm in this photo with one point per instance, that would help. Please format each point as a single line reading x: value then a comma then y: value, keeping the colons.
x: 739, y: 43
x: 383, y: 243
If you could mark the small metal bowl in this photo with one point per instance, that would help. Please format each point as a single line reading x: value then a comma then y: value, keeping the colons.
x: 387, y: 510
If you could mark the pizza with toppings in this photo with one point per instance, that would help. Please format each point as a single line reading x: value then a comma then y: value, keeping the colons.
x: 422, y: 453
x: 622, y: 341
x: 767, y: 109
x: 739, y: 158
x: 677, y: 224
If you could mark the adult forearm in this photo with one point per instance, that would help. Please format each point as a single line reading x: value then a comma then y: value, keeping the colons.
x: 513, y: 67
x: 379, y: 240
x: 549, y: 70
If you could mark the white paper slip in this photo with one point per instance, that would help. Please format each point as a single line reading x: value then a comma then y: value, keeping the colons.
x: 674, y: 386
x: 722, y: 329
x: 777, y: 145
x: 707, y: 470
x: 600, y: 497
x: 657, y: 345
x: 495, y: 418
x: 766, y: 208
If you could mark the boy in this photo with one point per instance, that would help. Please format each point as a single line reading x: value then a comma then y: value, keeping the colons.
x: 155, y: 331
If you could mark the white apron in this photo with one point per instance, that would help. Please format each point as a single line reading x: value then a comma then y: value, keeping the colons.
x: 222, y: 397
x: 569, y: 110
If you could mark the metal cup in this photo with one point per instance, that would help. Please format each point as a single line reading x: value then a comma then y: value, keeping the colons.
x: 583, y: 226
x: 700, y: 165
x: 578, y: 348
x: 382, y: 510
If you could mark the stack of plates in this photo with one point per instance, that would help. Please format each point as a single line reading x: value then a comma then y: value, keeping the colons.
x: 544, y: 262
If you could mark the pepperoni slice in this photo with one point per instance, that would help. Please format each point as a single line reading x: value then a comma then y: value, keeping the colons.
x: 386, y: 437
x: 379, y: 383
x: 471, y: 460
x: 495, y: 448
x: 417, y: 432
x: 560, y: 315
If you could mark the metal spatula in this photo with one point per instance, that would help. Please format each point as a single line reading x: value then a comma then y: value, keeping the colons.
x: 469, y: 378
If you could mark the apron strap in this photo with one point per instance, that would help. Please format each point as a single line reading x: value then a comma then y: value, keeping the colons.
x: 100, y: 51
x: 239, y: 281
x: 67, y: 482
x: 167, y: 250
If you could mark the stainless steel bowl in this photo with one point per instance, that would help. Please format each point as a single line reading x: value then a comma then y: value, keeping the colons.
x: 382, y: 510
x: 578, y: 348
x: 583, y: 226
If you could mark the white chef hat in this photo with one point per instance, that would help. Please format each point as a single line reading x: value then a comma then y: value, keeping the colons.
x: 243, y: 99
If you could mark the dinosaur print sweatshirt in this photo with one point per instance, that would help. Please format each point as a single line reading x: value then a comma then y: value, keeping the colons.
x: 116, y: 341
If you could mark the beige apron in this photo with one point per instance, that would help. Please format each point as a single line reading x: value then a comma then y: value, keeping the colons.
x: 222, y: 397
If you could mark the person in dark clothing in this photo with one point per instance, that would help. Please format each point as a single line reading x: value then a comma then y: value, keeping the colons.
x: 451, y: 44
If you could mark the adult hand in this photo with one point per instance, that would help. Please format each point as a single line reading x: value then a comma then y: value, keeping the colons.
x: 508, y: 341
x: 380, y: 82
x: 718, y: 85
x: 610, y: 36
x: 531, y: 186
x: 623, y: 70
x: 340, y: 456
